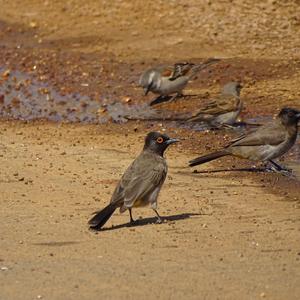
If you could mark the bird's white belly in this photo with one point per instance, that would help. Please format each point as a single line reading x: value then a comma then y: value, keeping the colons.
x: 265, y: 152
x: 269, y: 152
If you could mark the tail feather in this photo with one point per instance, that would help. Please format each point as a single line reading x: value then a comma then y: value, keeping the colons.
x: 206, y: 158
x: 204, y: 65
x: 160, y: 99
x: 102, y: 216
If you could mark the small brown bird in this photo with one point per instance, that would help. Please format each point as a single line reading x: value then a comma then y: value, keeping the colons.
x: 224, y: 110
x: 167, y: 80
x: 265, y: 144
x: 141, y: 182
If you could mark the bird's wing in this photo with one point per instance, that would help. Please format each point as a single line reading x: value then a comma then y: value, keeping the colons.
x: 179, y: 71
x: 145, y: 174
x: 167, y: 71
x: 218, y: 106
x: 269, y: 134
x: 171, y: 72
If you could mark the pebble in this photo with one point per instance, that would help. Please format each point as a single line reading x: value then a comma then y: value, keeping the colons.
x: 263, y: 295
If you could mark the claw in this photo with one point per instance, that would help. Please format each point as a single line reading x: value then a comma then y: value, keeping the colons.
x: 158, y: 221
x: 283, y: 171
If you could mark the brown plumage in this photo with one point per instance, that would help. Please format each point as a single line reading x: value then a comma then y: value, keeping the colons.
x: 140, y: 184
x: 224, y: 110
x: 265, y: 144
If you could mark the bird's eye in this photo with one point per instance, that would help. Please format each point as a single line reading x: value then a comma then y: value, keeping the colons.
x: 159, y: 140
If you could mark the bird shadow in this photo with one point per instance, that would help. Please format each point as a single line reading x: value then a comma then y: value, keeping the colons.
x: 148, y: 221
x: 56, y: 244
x: 253, y: 170
x: 283, y: 172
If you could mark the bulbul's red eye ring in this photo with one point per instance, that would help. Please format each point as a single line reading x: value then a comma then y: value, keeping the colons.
x: 159, y: 140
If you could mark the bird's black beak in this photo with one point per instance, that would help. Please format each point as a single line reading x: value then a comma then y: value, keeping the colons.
x: 172, y: 141
x: 148, y: 88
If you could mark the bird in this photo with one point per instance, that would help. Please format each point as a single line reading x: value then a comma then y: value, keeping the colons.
x: 141, y: 182
x: 167, y: 80
x: 224, y: 110
x: 265, y: 144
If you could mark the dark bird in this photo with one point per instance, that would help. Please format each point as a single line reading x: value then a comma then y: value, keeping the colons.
x: 268, y: 142
x: 141, y: 182
x: 224, y: 110
x: 167, y: 80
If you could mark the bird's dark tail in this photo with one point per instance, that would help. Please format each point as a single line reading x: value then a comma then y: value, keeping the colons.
x: 160, y: 99
x: 206, y: 158
x: 102, y: 216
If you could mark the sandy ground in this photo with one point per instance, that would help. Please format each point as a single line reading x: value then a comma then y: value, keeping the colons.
x: 224, y: 238
x: 226, y: 235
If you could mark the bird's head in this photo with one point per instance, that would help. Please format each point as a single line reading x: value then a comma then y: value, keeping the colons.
x: 232, y: 88
x: 147, y: 80
x: 158, y: 142
x: 289, y: 116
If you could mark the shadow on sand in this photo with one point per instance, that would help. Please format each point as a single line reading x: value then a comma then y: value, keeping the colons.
x: 148, y: 221
x: 286, y: 173
x: 253, y: 170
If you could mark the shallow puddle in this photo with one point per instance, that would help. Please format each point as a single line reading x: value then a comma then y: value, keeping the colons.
x: 23, y: 97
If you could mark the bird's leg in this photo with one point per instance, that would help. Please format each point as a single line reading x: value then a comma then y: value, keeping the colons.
x: 159, y: 219
x: 280, y: 169
x: 130, y: 214
x: 173, y: 97
x: 177, y: 95
x: 181, y: 95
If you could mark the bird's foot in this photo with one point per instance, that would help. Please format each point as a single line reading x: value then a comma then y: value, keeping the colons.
x: 287, y: 173
x: 283, y: 171
x: 133, y: 223
x: 159, y: 221
x: 175, y: 97
x: 278, y: 166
